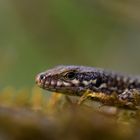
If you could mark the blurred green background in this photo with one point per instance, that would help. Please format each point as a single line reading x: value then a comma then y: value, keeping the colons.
x: 38, y: 34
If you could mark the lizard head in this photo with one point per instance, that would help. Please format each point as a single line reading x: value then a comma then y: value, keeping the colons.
x: 66, y: 79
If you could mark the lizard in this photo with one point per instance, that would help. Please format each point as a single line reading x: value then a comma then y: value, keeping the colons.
x: 107, y: 87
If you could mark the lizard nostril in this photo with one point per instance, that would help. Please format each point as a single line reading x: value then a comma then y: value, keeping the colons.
x: 42, y: 76
x: 39, y: 78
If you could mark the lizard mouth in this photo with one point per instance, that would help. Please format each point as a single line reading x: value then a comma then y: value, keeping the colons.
x: 46, y: 82
x: 54, y: 85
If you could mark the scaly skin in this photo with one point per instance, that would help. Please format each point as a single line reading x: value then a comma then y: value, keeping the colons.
x: 107, y: 87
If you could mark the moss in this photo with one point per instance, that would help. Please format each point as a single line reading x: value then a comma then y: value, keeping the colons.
x: 27, y: 114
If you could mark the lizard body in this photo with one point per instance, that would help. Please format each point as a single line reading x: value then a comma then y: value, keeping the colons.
x: 109, y: 88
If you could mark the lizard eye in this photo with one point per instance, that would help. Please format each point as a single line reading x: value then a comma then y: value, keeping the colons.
x: 70, y: 75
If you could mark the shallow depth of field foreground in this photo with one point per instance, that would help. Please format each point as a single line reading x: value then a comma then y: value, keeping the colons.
x: 57, y: 118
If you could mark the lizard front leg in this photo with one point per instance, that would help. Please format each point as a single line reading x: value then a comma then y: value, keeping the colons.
x: 129, y: 99
x: 103, y: 98
x: 84, y: 97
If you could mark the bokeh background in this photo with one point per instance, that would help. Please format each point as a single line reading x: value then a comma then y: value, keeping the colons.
x: 38, y: 34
